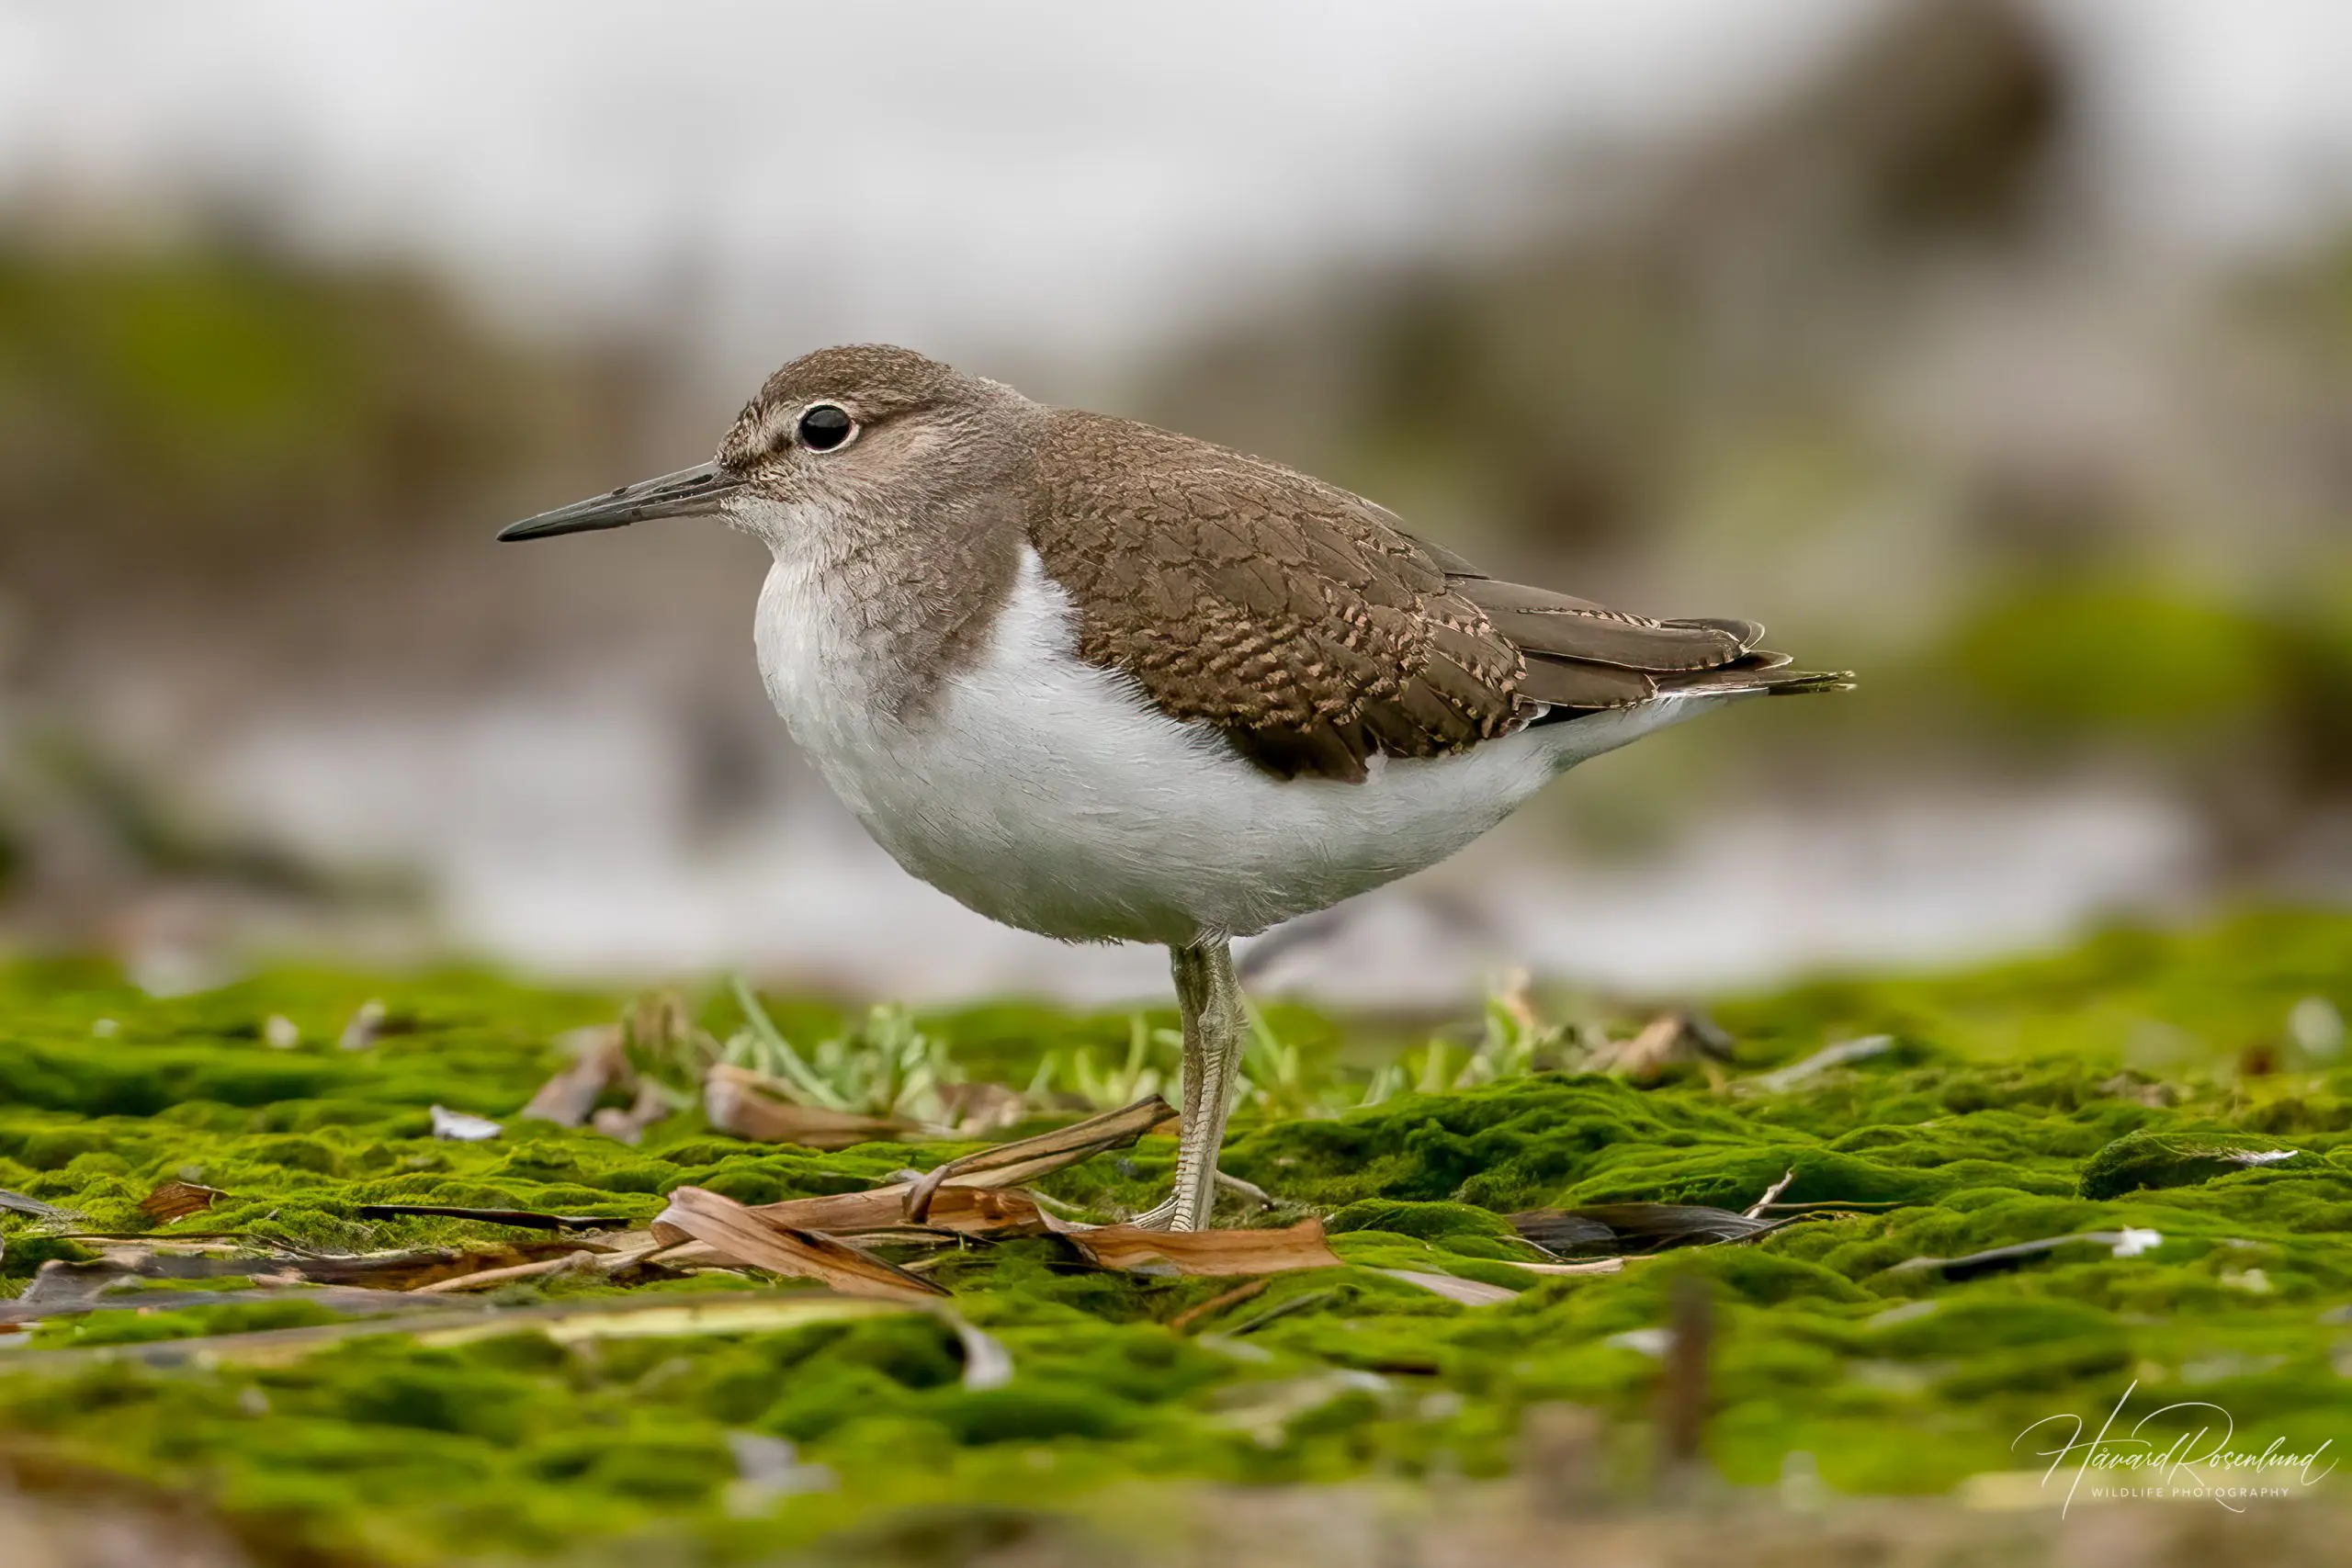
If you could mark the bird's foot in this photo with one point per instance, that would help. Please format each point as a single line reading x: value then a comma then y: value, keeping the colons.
x: 1161, y: 1216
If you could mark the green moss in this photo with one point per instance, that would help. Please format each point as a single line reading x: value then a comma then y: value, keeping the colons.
x: 2175, y: 1159
x: 1432, y: 1222
x: 2018, y: 1109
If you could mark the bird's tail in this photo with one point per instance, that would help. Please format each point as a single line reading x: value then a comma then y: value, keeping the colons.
x: 1741, y: 678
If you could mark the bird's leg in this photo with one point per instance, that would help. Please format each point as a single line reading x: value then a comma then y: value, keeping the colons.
x: 1209, y: 998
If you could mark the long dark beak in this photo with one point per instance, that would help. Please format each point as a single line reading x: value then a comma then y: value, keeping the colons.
x: 689, y: 491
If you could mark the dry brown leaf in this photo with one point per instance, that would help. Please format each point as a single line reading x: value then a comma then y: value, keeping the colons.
x: 1009, y: 1165
x: 844, y: 1213
x: 17, y: 1203
x: 1598, y: 1266
x: 986, y: 1211
x: 745, y: 1104
x: 405, y: 1269
x: 124, y: 1295
x: 752, y: 1237
x: 524, y: 1219
x: 627, y: 1126
x: 987, y: 1363
x: 598, y: 1065
x: 741, y: 1311
x: 463, y: 1125
x: 1453, y: 1286
x: 1637, y: 1227
x: 1202, y: 1252
x: 1680, y: 1034
x: 570, y: 1263
x: 59, y: 1283
x: 968, y: 1211
x: 954, y: 1199
x: 177, y: 1199
x: 974, y: 1109
x: 1216, y: 1304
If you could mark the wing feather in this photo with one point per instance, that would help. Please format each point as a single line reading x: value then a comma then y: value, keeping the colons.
x: 1312, y: 630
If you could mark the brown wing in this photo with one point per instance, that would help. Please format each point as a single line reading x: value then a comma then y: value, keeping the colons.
x: 1309, y: 627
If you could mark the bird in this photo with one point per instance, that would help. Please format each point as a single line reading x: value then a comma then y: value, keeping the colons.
x: 1109, y: 683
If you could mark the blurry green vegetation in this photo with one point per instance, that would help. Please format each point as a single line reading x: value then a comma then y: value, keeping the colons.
x: 888, y: 1067
x: 225, y: 404
x: 2107, y: 659
x: 1977, y: 1130
x: 1732, y: 378
x: 2103, y: 656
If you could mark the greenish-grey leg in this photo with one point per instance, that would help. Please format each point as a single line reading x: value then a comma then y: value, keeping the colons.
x: 1208, y: 994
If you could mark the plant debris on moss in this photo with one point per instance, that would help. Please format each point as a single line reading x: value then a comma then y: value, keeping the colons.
x: 2042, y: 1183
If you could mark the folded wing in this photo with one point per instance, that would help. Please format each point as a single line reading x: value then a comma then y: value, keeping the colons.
x: 1312, y: 631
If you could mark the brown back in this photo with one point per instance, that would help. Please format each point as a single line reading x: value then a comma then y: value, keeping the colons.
x: 1310, y: 628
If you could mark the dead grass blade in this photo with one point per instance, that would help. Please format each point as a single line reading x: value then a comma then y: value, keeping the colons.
x: 987, y: 1363
x: 1843, y: 1053
x: 121, y: 1293
x: 546, y: 1267
x: 463, y: 1125
x: 1772, y: 1195
x: 1598, y: 1266
x: 741, y: 1312
x: 1025, y: 1159
x: 1469, y: 1293
x: 1679, y: 1035
x: 599, y: 1063
x: 974, y: 1110
x: 58, y: 1280
x: 1202, y: 1252
x: 746, y: 1104
x: 523, y: 1219
x: 406, y: 1269
x: 1215, y: 1303
x: 63, y: 1286
x: 1636, y: 1227
x: 1999, y: 1259
x: 627, y: 1126
x: 177, y: 1199
x: 967, y: 1211
x: 971, y: 1195
x: 17, y: 1203
x: 752, y: 1237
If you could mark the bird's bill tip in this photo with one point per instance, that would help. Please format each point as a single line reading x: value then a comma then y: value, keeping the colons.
x: 689, y: 491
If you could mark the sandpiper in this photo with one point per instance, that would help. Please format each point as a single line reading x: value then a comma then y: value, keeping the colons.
x: 1109, y: 683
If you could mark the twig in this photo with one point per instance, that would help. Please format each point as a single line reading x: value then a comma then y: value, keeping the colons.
x: 1248, y: 1189
x: 1837, y: 1056
x: 1218, y: 1302
x: 1756, y: 1211
x: 570, y: 1263
x: 1684, y: 1395
x: 743, y: 1311
x: 1055, y: 1205
x: 1281, y: 1309
x: 521, y: 1219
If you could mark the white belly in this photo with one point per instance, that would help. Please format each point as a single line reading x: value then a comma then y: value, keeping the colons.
x: 1048, y: 794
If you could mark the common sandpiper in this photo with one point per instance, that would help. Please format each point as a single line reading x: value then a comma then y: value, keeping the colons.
x: 1109, y: 683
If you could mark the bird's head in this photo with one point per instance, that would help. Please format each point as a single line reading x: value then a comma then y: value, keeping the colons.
x: 836, y: 437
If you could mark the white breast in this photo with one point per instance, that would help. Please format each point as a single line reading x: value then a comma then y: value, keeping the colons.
x: 1051, y: 796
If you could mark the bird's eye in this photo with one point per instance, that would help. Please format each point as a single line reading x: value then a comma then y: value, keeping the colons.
x: 825, y: 426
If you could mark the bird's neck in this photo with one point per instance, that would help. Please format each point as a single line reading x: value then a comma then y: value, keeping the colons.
x: 883, y: 608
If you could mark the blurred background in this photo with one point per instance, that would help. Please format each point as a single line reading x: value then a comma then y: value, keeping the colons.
x: 1999, y: 350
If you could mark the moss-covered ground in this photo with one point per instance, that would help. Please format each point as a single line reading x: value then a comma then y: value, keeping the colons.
x: 1976, y: 1130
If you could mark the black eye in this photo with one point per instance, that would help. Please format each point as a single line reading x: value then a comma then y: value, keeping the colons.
x: 824, y: 427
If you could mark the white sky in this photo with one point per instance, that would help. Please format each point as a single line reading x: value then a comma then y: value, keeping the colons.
x: 1078, y: 175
